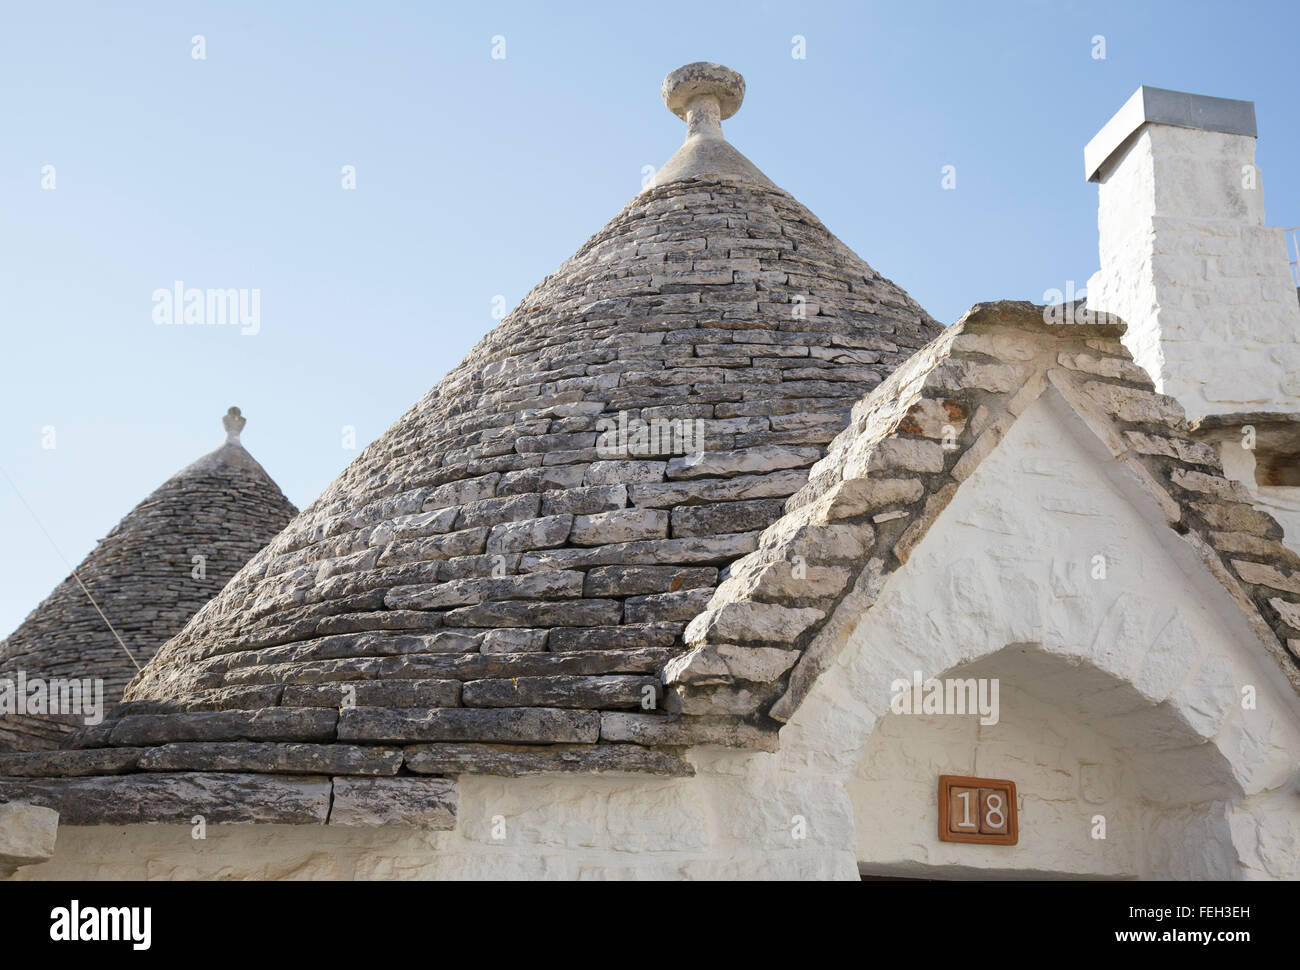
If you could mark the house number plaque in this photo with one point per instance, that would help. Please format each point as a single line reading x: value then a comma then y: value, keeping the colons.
x: 977, y: 810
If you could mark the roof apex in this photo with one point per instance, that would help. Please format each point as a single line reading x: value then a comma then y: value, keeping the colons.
x: 232, y: 458
x: 233, y: 421
x: 704, y: 94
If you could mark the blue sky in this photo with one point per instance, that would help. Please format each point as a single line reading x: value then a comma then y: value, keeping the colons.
x: 475, y: 177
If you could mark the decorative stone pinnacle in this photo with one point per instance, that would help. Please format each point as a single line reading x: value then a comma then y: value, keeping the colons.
x: 702, y: 95
x: 234, y: 423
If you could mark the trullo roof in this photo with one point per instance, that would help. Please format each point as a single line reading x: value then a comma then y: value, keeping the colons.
x: 142, y: 582
x: 542, y: 524
x: 524, y: 548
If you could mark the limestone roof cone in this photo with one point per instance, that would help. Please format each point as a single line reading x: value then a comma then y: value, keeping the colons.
x: 535, y: 533
x: 145, y: 578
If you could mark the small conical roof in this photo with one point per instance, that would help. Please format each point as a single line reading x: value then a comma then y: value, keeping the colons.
x: 547, y: 519
x: 171, y: 554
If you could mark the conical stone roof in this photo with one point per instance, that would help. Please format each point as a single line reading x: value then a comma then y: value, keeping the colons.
x: 539, y: 528
x: 144, y: 578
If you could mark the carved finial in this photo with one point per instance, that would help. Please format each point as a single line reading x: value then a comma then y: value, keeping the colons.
x: 234, y: 423
x: 702, y: 95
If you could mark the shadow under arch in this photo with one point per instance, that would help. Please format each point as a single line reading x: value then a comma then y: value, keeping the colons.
x: 1110, y: 785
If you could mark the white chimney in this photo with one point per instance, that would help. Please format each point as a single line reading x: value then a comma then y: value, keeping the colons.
x: 1186, y: 260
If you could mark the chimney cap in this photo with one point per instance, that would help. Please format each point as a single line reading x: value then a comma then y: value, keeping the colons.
x: 703, y: 78
x: 1160, y: 106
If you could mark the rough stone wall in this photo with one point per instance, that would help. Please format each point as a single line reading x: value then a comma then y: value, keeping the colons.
x: 1281, y: 502
x: 1203, y: 283
x: 142, y: 576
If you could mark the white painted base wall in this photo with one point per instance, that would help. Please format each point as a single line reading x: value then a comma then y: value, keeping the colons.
x: 1120, y: 696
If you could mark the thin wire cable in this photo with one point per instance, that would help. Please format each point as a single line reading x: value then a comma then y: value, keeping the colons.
x: 59, y: 552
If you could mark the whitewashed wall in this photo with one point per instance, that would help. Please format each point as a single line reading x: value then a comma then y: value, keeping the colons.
x: 1069, y: 778
x: 1121, y: 694
x: 1203, y: 283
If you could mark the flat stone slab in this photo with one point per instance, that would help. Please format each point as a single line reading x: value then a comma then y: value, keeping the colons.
x: 273, y: 757
x: 494, y: 759
x: 69, y: 764
x: 585, y: 693
x: 273, y: 724
x: 1161, y: 106
x: 404, y: 693
x: 176, y: 798
x: 507, y: 725
x: 219, y: 699
x: 607, y: 656
x: 652, y: 729
x: 428, y: 803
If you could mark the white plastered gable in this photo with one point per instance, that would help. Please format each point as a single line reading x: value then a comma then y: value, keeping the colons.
x: 1121, y: 697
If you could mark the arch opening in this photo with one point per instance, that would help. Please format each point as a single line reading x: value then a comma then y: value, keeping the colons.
x: 1104, y: 779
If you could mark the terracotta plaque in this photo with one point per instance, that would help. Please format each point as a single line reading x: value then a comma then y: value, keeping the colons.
x: 979, y: 810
